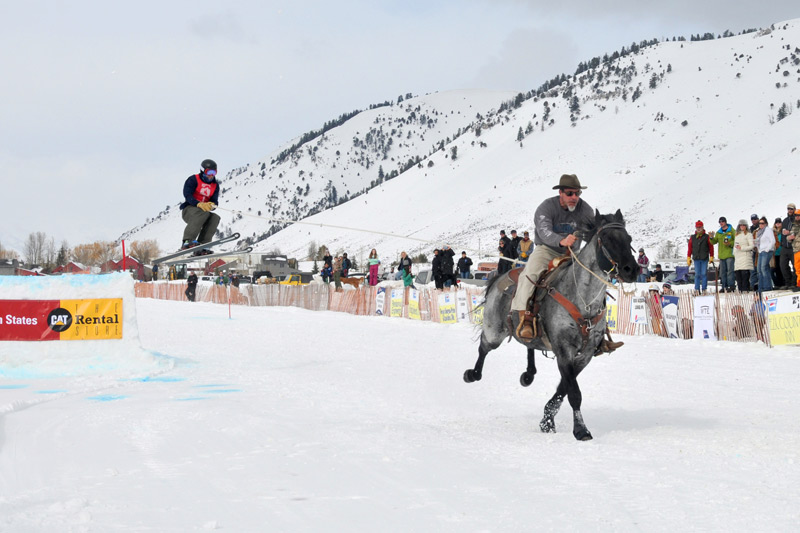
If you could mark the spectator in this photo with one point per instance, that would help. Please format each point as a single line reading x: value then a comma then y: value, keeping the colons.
x: 743, y: 256
x: 235, y: 279
x: 373, y: 263
x: 787, y: 255
x: 754, y: 272
x: 700, y: 252
x: 191, y: 287
x: 795, y: 242
x: 404, y: 267
x: 337, y: 273
x: 327, y: 260
x: 326, y: 273
x: 436, y: 270
x: 346, y: 265
x: 464, y: 264
x: 658, y: 274
x: 524, y: 248
x: 765, y: 242
x: 504, y: 247
x: 724, y: 240
x: 644, y: 263
x: 448, y: 277
x: 775, y: 262
x: 514, y: 244
x: 666, y: 289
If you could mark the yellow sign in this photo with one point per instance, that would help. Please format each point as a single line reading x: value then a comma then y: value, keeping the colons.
x: 612, y: 311
x: 784, y: 328
x: 93, y: 319
x: 447, y: 309
x: 413, y: 305
x: 396, y: 306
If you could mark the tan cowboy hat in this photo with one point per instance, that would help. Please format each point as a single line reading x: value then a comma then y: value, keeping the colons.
x: 569, y: 181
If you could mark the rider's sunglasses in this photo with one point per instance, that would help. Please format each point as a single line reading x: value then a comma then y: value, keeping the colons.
x: 571, y: 193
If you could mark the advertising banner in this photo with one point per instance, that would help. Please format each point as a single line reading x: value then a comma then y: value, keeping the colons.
x: 462, y: 306
x: 669, y: 306
x: 380, y: 300
x: 413, y: 305
x: 447, y: 309
x: 477, y: 309
x: 52, y: 320
x: 396, y: 303
x: 704, y: 318
x: 612, y: 314
x: 783, y: 314
x: 638, y: 310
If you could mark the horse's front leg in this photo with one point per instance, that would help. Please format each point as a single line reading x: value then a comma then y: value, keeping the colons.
x: 579, y: 429
x: 548, y: 423
x: 527, y: 377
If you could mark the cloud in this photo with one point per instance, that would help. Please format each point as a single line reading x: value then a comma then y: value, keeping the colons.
x: 527, y: 58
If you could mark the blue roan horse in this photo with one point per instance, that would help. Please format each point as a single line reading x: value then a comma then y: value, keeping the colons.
x: 573, y: 330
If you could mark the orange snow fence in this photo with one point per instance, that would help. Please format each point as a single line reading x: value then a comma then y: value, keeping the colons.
x: 738, y: 317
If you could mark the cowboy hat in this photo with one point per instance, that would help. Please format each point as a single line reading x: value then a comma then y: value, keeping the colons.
x: 569, y: 181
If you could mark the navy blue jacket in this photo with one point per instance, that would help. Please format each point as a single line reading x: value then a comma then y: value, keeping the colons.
x: 191, y: 185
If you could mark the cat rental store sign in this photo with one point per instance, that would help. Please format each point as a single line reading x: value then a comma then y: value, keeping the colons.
x: 53, y: 320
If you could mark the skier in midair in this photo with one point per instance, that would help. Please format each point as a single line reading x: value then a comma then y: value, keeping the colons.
x: 201, y: 195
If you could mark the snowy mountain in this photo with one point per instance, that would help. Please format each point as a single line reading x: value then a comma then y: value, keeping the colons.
x: 669, y: 132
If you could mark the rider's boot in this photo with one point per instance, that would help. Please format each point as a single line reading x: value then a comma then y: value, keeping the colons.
x: 525, y: 327
x: 608, y: 345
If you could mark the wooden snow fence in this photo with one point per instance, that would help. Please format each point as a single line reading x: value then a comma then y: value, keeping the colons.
x: 738, y: 316
x: 314, y: 296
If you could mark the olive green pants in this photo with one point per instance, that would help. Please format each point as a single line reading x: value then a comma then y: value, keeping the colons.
x: 200, y: 225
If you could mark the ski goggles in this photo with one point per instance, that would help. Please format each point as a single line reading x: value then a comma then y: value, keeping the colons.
x: 210, y: 172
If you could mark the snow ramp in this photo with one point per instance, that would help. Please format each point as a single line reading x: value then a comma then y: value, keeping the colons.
x: 72, y: 325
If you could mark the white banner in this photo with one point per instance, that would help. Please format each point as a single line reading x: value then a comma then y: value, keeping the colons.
x: 462, y: 307
x: 704, y: 318
x: 638, y: 310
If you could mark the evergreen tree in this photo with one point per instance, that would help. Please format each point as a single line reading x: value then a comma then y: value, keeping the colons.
x: 520, y: 134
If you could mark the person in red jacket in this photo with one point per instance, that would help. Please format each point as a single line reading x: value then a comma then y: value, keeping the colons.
x: 700, y: 252
x: 201, y: 195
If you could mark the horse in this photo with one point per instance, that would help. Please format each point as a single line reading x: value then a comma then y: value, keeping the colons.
x: 572, y: 313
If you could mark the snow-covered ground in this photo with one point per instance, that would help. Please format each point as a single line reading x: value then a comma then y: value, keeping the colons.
x: 281, y: 419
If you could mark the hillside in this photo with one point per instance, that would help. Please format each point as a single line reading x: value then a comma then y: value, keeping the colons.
x: 670, y: 133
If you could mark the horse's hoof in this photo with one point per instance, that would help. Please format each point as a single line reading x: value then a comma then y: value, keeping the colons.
x: 547, y: 425
x: 525, y: 379
x: 471, y: 376
x: 583, y: 435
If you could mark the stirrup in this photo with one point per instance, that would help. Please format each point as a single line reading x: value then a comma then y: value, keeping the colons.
x: 526, y: 329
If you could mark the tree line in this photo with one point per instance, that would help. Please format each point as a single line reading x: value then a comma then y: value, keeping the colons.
x: 40, y: 250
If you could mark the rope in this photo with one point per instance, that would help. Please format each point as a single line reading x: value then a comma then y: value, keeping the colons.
x: 348, y: 228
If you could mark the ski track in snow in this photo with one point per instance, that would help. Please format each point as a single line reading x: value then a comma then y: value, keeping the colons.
x: 282, y: 419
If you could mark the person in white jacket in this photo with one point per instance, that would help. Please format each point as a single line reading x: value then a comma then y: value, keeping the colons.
x: 743, y: 256
x: 765, y: 242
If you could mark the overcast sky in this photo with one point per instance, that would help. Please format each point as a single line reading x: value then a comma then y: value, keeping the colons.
x: 107, y: 106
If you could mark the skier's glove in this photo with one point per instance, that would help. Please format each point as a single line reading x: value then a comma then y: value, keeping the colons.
x: 688, y: 261
x: 205, y: 206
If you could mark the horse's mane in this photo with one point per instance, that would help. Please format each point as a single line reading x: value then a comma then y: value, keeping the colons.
x: 590, y: 229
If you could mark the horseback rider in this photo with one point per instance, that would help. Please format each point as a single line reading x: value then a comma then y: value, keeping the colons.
x: 556, y: 221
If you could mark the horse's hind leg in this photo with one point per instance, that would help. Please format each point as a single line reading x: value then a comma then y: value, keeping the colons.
x: 527, y: 377
x: 475, y: 374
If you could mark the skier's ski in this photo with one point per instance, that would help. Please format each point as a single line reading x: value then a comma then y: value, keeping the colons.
x: 193, y: 258
x: 181, y: 253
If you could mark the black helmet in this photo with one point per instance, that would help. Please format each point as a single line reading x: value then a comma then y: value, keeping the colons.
x: 208, y: 164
